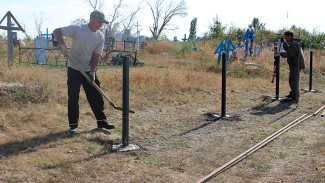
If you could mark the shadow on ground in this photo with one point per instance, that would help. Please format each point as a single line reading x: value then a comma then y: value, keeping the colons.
x: 212, y: 118
x: 271, y: 106
x: 29, y: 145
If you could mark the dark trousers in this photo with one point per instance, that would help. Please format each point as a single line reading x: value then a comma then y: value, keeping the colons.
x: 294, y: 76
x: 95, y: 99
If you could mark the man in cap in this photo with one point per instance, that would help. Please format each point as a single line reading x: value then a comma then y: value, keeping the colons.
x: 87, y: 47
x: 296, y: 62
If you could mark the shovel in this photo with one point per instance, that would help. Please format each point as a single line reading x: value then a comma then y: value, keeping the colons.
x: 94, y: 85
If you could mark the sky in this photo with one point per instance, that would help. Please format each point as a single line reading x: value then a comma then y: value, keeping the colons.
x: 276, y: 14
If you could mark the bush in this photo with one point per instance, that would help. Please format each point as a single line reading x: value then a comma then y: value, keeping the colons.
x: 180, y: 50
x: 158, y: 47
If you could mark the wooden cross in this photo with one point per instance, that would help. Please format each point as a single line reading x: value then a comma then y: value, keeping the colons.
x: 9, y: 28
x: 184, y: 39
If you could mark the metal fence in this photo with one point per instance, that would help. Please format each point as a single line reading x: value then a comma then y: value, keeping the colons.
x: 53, y: 57
x: 41, y: 56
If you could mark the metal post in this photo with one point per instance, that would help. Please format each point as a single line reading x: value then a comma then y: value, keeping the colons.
x: 311, y: 71
x: 125, y: 113
x: 10, y: 41
x: 224, y: 75
x: 277, y: 88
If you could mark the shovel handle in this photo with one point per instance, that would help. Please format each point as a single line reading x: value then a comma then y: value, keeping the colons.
x: 94, y: 85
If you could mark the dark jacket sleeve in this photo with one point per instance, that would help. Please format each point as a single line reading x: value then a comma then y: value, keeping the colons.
x: 291, y: 50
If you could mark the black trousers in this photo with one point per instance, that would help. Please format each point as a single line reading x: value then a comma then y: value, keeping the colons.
x: 95, y: 99
x: 294, y: 76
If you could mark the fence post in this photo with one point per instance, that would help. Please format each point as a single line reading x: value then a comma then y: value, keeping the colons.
x: 224, y: 80
x: 311, y: 71
x: 125, y: 114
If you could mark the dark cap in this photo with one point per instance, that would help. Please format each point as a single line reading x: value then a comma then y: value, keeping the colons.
x: 99, y: 15
x: 288, y: 33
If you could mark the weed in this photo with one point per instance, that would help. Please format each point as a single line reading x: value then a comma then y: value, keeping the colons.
x: 180, y: 50
x: 282, y: 155
x: 45, y: 163
x: 179, y: 168
x: 158, y: 47
x: 276, y: 125
x: 162, y: 66
x: 300, y: 138
x: 16, y: 179
x: 259, y: 165
x: 118, y: 128
x: 182, y: 99
x: 138, y: 85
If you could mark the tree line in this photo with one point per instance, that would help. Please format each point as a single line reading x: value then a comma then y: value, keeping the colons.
x: 217, y: 30
x: 122, y: 17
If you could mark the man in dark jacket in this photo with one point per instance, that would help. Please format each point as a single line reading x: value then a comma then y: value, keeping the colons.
x: 296, y: 62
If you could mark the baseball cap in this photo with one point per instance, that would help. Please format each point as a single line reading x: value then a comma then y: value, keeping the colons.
x: 99, y: 15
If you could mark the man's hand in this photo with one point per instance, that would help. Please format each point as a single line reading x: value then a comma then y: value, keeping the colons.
x: 92, y: 76
x: 63, y: 49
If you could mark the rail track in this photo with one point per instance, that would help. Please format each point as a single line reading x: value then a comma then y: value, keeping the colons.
x: 256, y: 147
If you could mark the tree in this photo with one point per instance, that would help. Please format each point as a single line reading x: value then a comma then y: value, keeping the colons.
x: 95, y: 3
x: 162, y: 12
x: 117, y: 19
x: 79, y: 21
x: 235, y: 33
x: 193, y: 28
x: 129, y: 21
x: 217, y: 29
x: 257, y: 25
x: 38, y: 20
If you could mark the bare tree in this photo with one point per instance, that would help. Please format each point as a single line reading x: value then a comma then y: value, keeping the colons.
x: 162, y: 12
x: 95, y: 3
x: 116, y: 18
x: 38, y: 20
x: 113, y: 22
x: 129, y: 21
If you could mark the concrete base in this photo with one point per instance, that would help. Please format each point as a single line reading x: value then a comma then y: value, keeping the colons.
x: 219, y: 116
x: 279, y: 99
x: 307, y: 90
x: 130, y: 147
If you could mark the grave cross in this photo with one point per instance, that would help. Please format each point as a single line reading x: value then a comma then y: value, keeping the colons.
x: 184, y: 39
x: 9, y: 29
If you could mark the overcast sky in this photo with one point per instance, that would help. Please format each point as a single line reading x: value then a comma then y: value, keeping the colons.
x: 276, y: 14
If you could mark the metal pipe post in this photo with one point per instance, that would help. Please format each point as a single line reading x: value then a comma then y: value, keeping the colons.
x: 277, y: 88
x: 125, y: 112
x: 224, y: 75
x: 311, y: 71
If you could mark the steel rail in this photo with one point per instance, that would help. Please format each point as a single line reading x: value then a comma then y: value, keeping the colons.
x: 253, y: 149
x: 319, y: 110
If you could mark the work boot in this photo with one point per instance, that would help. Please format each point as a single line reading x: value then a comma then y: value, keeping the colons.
x: 290, y: 101
x: 105, y: 124
x: 289, y: 96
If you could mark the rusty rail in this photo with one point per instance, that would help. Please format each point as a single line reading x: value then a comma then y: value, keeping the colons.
x: 255, y: 148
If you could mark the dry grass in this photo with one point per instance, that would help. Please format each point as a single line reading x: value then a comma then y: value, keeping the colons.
x: 171, y: 96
